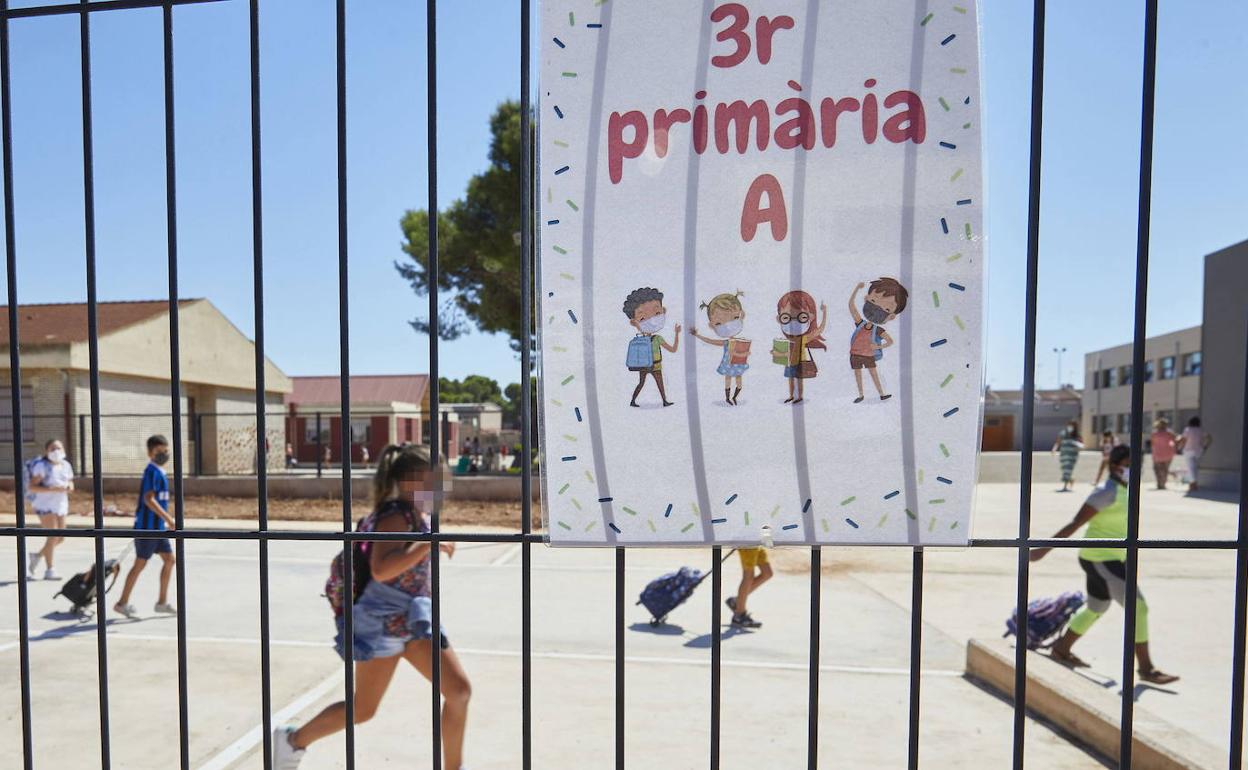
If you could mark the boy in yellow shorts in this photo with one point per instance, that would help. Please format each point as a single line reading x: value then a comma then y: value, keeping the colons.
x: 751, y: 559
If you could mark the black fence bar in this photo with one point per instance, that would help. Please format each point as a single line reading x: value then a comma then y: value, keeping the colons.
x: 344, y: 371
x: 175, y: 380
x: 64, y: 9
x: 1240, y: 630
x: 526, y: 391
x: 1137, y: 381
x: 619, y: 659
x: 431, y: 108
x: 15, y: 394
x: 262, y: 480
x: 916, y: 653
x: 1029, y: 375
x: 812, y: 682
x: 93, y: 355
x: 717, y: 591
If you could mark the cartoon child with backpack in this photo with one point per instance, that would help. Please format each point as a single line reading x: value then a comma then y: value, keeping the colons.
x: 726, y: 316
x: 645, y: 311
x: 885, y: 300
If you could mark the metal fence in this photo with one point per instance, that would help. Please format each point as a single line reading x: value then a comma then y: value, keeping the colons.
x: 526, y: 538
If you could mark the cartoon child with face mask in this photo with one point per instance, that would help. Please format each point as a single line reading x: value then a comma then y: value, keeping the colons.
x: 645, y: 311
x: 885, y: 300
x: 726, y: 316
x: 795, y: 312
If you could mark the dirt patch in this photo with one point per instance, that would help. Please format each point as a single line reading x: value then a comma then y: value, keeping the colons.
x: 455, y: 512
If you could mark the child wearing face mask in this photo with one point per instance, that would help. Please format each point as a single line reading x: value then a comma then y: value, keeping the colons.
x: 51, y: 481
x: 885, y: 300
x: 726, y: 316
x: 392, y: 619
x: 645, y: 311
x: 152, y: 515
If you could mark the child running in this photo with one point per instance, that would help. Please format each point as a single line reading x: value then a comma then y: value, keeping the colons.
x: 152, y: 515
x: 51, y: 481
x: 1105, y: 513
x: 751, y: 559
x: 726, y: 316
x: 393, y: 617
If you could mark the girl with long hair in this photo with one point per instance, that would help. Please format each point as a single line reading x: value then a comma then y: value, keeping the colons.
x: 795, y: 312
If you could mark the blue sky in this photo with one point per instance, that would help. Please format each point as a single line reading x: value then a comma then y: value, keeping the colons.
x: 1091, y: 145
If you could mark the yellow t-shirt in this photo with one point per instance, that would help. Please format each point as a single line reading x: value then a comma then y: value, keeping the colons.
x: 1110, y: 521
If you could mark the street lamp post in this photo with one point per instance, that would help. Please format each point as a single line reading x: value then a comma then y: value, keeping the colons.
x: 1059, y: 352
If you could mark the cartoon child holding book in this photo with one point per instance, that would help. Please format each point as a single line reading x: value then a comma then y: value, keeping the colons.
x: 803, y: 332
x: 885, y: 300
x: 726, y: 316
x: 645, y: 311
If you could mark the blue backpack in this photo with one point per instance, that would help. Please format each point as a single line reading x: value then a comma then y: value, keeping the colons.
x: 28, y: 471
x: 666, y: 593
x: 876, y: 339
x: 1046, y: 618
x: 640, y: 353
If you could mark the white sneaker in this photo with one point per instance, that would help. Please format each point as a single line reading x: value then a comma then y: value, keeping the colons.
x: 126, y: 609
x: 34, y: 562
x: 50, y: 574
x: 285, y: 756
x: 165, y: 609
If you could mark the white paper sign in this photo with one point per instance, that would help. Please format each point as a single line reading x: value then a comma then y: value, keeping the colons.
x: 761, y: 268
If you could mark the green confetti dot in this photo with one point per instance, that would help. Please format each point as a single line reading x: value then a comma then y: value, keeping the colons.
x: 849, y: 500
x: 957, y: 319
x: 958, y: 70
x: 943, y: 103
x: 824, y: 522
x: 628, y: 510
x: 948, y: 379
x: 774, y: 511
x: 966, y: 125
x: 936, y: 501
x: 747, y: 518
x: 567, y: 276
x: 968, y: 231
x: 571, y: 19
x: 560, y: 143
x: 954, y: 525
x: 959, y: 9
x: 954, y: 257
x: 564, y: 488
x: 883, y: 519
x: 944, y: 450
x: 920, y: 475
x: 589, y: 476
x: 577, y: 503
x: 651, y: 523
x: 577, y: 208
x: 564, y: 525
x: 558, y: 348
x: 955, y: 176
x: 935, y: 299
x: 567, y: 379
x: 687, y: 527
x: 590, y: 525
x: 568, y: 74
x: 556, y: 403
x: 694, y: 506
x: 926, y: 19
x: 559, y: 249
x: 569, y: 437
x: 910, y: 513
x: 931, y: 524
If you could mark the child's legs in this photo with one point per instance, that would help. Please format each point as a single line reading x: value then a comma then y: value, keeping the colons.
x: 166, y: 569
x: 745, y: 587
x: 456, y: 690
x: 641, y: 383
x: 858, y: 380
x: 875, y: 378
x: 131, y: 577
x: 50, y: 521
x: 791, y: 381
x: 658, y: 379
x: 372, y: 677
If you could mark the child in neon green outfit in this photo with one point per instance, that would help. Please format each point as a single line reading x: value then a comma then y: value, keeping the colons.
x: 1105, y: 513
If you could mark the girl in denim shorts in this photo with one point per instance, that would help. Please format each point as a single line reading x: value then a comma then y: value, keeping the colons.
x: 392, y: 618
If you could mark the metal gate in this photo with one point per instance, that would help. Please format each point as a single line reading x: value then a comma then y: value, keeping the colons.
x: 526, y: 538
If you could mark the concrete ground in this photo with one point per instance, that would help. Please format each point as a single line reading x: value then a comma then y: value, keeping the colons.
x: 864, y: 652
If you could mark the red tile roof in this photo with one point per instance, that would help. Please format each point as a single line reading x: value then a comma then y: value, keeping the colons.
x: 365, y: 389
x: 65, y: 323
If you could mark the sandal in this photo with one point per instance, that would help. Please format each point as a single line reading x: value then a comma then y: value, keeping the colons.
x: 1068, y: 659
x: 1155, y: 676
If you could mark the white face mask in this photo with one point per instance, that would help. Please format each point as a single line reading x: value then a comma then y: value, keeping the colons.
x: 730, y: 329
x: 653, y: 323
x: 794, y: 328
x: 56, y: 455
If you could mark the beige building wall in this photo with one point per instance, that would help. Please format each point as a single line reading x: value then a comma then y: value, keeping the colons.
x: 1223, y: 385
x: 1177, y: 398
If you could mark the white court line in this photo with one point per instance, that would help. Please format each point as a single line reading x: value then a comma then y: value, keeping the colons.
x: 506, y: 556
x: 252, y: 738
x: 833, y: 668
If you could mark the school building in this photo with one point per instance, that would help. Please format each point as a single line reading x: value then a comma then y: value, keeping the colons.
x: 1173, y: 364
x: 385, y: 409
x: 1003, y: 418
x: 217, y: 380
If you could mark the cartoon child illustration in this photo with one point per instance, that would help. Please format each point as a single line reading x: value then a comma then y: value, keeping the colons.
x: 725, y: 314
x: 645, y: 311
x: 796, y: 313
x: 886, y: 298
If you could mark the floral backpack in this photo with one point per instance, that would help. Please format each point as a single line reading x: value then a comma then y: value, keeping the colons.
x: 335, y: 585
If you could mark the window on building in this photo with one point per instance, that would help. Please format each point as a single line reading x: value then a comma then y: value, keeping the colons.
x: 28, y: 419
x: 1124, y: 424
x: 361, y: 431
x: 1109, y: 378
x: 309, y: 431
x: 1148, y: 370
x: 1167, y: 368
x: 1191, y: 364
x: 1124, y: 375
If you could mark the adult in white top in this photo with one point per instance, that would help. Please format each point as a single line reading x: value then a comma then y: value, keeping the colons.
x: 51, y: 482
x: 1193, y: 444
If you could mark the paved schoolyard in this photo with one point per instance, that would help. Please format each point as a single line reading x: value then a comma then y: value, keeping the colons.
x: 864, y: 655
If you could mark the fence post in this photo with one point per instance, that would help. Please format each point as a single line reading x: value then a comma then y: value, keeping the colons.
x: 198, y: 428
x: 82, y: 443
x: 319, y: 451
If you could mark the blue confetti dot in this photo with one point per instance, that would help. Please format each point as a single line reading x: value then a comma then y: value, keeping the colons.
x: 605, y: 499
x: 558, y: 42
x: 946, y: 145
x: 938, y: 343
x: 668, y: 512
x: 806, y: 506
x: 577, y: 410
x: 561, y: 169
x: 611, y: 524
x: 789, y: 526
x: 572, y: 315
x: 944, y: 226
x: 943, y: 480
x: 594, y: 26
x: 730, y: 499
x: 947, y: 40
x: 957, y: 287
x: 964, y: 202
x: 568, y: 459
x: 951, y: 412
x: 718, y: 521
x: 553, y: 222
x: 852, y: 523
x: 559, y: 112
x: 892, y: 494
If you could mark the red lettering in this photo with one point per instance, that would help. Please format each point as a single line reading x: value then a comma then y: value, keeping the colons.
x: 663, y: 122
x: 829, y: 111
x: 617, y: 148
x: 799, y: 130
x: 764, y: 29
x: 700, y: 121
x: 754, y: 214
x: 735, y: 32
x: 870, y: 118
x: 742, y: 114
x: 912, y: 116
